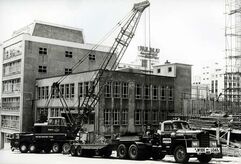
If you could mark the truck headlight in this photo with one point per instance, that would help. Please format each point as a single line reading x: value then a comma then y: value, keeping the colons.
x: 195, y: 143
x: 213, y: 143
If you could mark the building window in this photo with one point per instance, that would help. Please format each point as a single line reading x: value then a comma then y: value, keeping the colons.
x: 68, y: 54
x: 80, y: 86
x: 138, y: 117
x: 169, y: 69
x: 67, y: 71
x: 155, y: 117
x: 158, y: 70
x: 86, y: 88
x: 55, y: 93
x: 155, y: 92
x: 55, y: 112
x: 116, y: 89
x: 163, y: 93
x: 42, y: 51
x: 11, y: 86
x: 212, y: 86
x: 67, y: 91
x: 125, y: 90
x: 92, y: 57
x: 116, y: 116
x: 124, y: 117
x: 107, y: 116
x: 170, y: 93
x: 12, y: 68
x: 12, y: 51
x: 72, y: 90
x: 11, y: 104
x: 108, y: 89
x: 42, y: 115
x: 10, y: 122
x: 147, y: 92
x: 42, y: 69
x: 62, y: 89
x: 138, y: 91
x: 146, y: 116
x: 144, y: 63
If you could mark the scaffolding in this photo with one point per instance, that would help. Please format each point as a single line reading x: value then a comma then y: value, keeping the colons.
x: 232, y: 76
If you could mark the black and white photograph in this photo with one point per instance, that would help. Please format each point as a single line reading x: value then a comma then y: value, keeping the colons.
x: 120, y: 81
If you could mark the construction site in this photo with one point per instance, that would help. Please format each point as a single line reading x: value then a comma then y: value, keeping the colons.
x: 64, y: 97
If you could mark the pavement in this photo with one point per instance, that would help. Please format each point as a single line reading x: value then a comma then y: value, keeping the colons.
x: 9, y: 157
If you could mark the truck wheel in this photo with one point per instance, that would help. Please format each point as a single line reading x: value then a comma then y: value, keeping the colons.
x: 180, y: 154
x: 66, y: 148
x: 121, y: 151
x: 204, y: 158
x: 133, y: 152
x: 23, y: 148
x: 72, y: 151
x: 79, y: 151
x: 32, y: 148
x: 56, y: 148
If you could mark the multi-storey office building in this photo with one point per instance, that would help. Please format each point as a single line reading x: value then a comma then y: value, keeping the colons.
x: 36, y: 51
x: 128, y: 102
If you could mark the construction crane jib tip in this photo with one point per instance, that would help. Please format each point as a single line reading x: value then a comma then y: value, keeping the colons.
x: 141, y: 6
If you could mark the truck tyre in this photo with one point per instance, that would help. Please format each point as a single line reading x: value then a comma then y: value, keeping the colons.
x: 66, y: 148
x: 72, y: 151
x: 56, y: 148
x: 204, y: 158
x: 133, y: 152
x: 79, y: 151
x: 32, y: 148
x: 23, y: 148
x: 180, y: 154
x: 122, y: 151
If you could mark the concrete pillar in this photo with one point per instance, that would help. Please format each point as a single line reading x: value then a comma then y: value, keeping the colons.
x: 131, y: 113
x: 1, y: 140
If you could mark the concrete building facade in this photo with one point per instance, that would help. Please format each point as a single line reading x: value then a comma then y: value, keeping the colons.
x: 128, y: 103
x: 182, y: 74
x: 36, y: 51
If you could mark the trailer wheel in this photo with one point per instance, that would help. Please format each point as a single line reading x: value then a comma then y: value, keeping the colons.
x: 79, y: 151
x: 121, y: 151
x: 66, y: 148
x: 32, y: 148
x: 23, y: 148
x: 180, y: 154
x: 72, y: 151
x: 56, y: 148
x: 134, y: 152
x: 204, y: 158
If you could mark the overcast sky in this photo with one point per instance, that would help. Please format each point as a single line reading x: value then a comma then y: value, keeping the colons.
x: 186, y: 31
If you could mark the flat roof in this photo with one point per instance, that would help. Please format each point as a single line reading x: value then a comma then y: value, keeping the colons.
x: 54, y: 76
x: 172, y: 64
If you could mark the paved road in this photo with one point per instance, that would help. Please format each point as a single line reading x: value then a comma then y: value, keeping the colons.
x: 8, y: 157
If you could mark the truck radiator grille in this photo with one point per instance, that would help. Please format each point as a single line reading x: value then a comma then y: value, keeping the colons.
x: 204, y: 139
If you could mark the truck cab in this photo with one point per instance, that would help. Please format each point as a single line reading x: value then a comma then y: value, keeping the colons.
x: 179, y: 140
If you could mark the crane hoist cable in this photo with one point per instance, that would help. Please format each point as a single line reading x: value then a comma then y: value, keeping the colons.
x: 118, y: 49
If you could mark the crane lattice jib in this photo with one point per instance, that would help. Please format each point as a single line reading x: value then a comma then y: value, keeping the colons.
x: 116, y: 53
